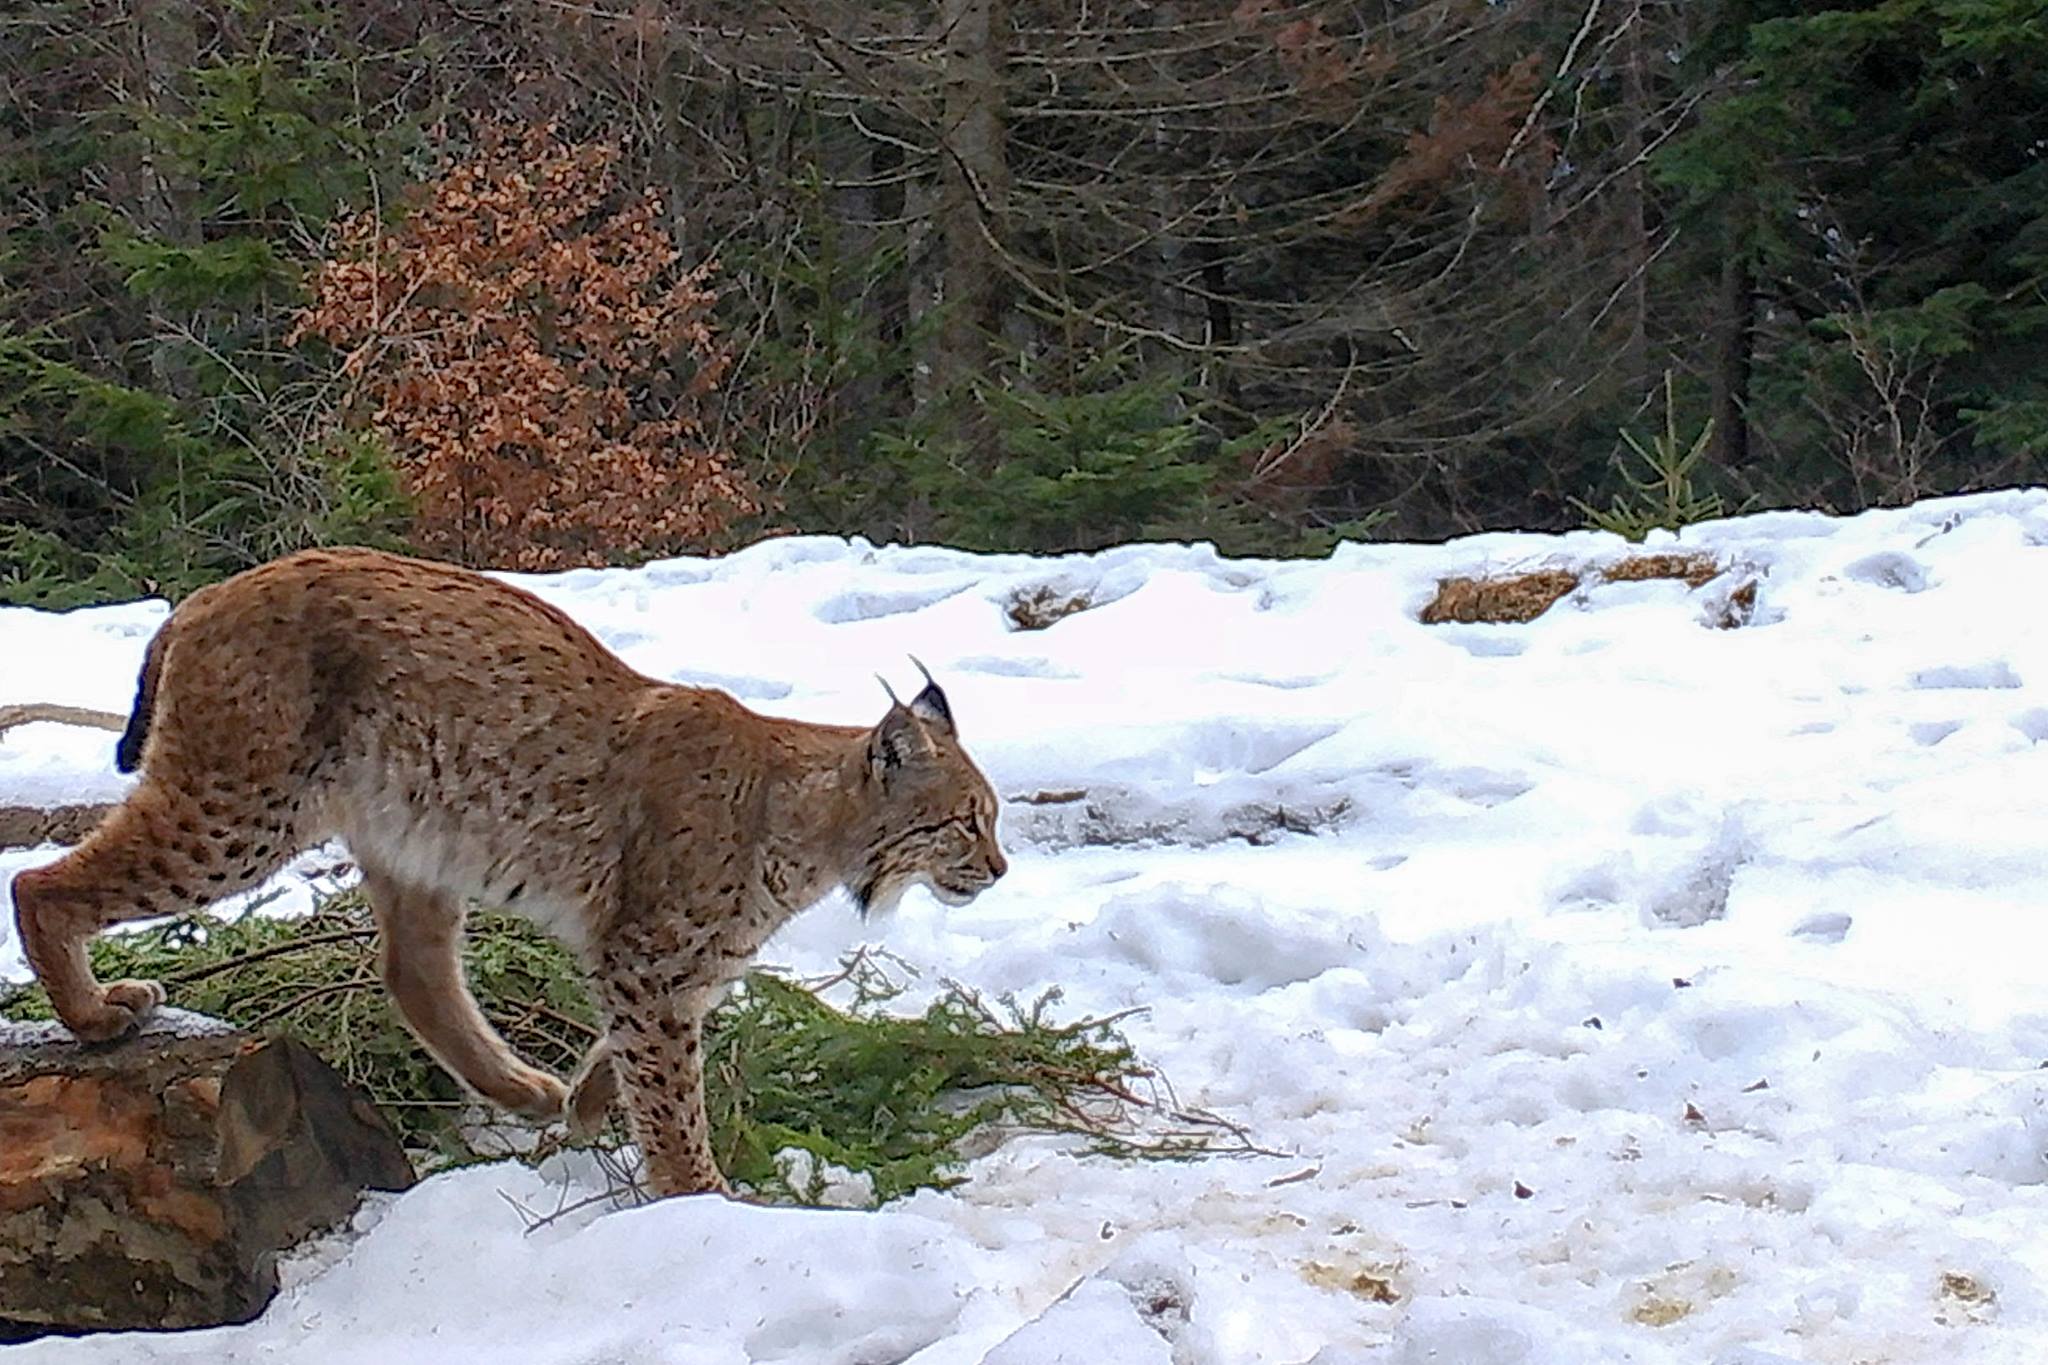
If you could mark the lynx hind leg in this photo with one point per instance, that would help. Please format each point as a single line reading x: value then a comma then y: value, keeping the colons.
x: 421, y: 931
x: 160, y: 852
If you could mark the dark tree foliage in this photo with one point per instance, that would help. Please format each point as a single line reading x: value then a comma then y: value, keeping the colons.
x: 1877, y: 176
x: 1026, y: 274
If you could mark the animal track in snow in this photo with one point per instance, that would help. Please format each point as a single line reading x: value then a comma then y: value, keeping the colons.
x: 849, y: 607
x: 1828, y: 927
x: 1994, y: 674
x: 1482, y: 786
x: 1002, y: 666
x: 1291, y: 682
x: 1248, y: 747
x: 1889, y: 569
x: 1929, y: 733
x: 1484, y: 644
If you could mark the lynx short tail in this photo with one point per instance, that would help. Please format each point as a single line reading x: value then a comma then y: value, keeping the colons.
x: 128, y: 752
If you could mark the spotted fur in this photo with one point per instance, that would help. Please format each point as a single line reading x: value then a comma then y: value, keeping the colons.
x: 466, y: 739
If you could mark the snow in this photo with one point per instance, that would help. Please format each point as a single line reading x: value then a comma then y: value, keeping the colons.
x: 1611, y: 988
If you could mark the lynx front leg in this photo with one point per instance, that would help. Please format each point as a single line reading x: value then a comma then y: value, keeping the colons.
x: 656, y: 1044
x: 592, y: 1089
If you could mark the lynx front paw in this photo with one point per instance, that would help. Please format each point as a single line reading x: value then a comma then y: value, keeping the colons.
x: 591, y: 1092
x: 120, y: 1008
x: 535, y: 1095
x: 670, y: 1180
x: 714, y: 1183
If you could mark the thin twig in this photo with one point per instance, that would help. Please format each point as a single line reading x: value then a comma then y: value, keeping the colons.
x: 255, y: 955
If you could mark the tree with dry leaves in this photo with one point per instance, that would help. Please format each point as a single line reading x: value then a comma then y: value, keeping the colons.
x: 528, y: 343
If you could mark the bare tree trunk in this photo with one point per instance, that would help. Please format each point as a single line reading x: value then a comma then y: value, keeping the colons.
x: 167, y: 51
x: 849, y: 162
x: 974, y: 187
x: 1733, y: 350
x: 1634, y: 209
x: 921, y: 290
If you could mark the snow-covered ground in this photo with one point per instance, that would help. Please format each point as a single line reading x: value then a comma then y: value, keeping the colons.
x: 1616, y: 987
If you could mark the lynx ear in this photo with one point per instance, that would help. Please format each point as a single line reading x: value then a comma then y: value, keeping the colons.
x: 897, y: 743
x: 930, y: 705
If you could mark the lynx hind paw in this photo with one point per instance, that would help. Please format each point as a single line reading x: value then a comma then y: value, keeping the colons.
x: 122, y: 1006
x: 135, y: 995
x: 540, y: 1097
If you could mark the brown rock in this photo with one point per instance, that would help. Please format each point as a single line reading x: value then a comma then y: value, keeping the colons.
x: 152, y: 1182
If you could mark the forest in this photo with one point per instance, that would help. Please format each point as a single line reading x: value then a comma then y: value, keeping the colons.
x: 555, y: 282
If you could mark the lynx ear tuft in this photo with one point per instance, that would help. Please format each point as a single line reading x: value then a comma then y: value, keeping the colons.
x: 930, y: 705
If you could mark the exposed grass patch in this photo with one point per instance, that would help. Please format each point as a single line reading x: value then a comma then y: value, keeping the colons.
x: 1689, y: 567
x: 1374, y: 1283
x: 1498, y: 598
x: 1738, y: 610
x: 900, y: 1098
x: 1964, y: 1288
x: 1656, y: 1310
x: 1039, y: 607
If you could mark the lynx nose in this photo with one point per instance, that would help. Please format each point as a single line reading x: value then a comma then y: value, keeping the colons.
x: 997, y: 865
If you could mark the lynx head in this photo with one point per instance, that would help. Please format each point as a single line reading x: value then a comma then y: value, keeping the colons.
x: 932, y: 815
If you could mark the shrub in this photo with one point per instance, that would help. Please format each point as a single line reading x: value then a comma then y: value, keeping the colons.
x: 1077, y: 471
x: 1666, y: 494
x: 538, y: 360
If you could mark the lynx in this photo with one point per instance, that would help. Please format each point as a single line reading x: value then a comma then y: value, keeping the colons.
x: 465, y: 739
